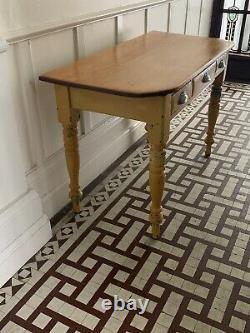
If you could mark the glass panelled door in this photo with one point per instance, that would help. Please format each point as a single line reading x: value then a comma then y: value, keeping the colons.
x: 231, y: 21
x: 236, y: 24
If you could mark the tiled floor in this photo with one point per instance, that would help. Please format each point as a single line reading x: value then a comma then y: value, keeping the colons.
x: 196, y: 276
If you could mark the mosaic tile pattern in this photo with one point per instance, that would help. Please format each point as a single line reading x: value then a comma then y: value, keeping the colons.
x: 196, y: 276
x: 108, y: 186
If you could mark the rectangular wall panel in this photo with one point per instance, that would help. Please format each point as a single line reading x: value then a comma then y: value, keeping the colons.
x: 193, y: 17
x: 17, y: 56
x: 94, y: 37
x: 158, y: 18
x: 178, y: 11
x: 12, y: 178
x: 50, y: 52
x: 206, y: 14
x: 133, y: 25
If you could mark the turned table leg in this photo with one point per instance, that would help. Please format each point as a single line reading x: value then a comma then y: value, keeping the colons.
x: 73, y: 163
x: 213, y: 112
x: 156, y: 184
x: 69, y: 118
x: 158, y: 134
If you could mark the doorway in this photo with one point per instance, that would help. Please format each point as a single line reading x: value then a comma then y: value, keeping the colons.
x: 231, y: 21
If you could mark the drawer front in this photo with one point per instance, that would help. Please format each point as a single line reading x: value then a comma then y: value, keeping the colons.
x: 221, y: 64
x: 204, y: 79
x: 181, y: 98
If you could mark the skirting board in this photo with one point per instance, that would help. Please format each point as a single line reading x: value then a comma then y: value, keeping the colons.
x: 24, y: 248
x: 25, y: 245
x: 98, y: 149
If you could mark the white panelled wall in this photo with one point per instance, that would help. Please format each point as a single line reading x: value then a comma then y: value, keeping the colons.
x: 44, y: 35
x: 24, y: 227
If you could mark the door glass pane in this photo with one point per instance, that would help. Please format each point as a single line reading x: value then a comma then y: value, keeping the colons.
x: 230, y: 29
x: 234, y: 4
x: 246, y: 38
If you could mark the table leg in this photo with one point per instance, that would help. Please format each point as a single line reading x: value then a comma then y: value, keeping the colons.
x: 156, y: 183
x: 213, y: 112
x: 69, y: 118
x: 73, y: 163
x: 158, y: 134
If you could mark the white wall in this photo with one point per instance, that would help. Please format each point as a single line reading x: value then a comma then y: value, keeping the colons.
x: 39, y: 130
x: 9, y: 190
x: 33, y: 148
x: 24, y: 227
x: 25, y: 14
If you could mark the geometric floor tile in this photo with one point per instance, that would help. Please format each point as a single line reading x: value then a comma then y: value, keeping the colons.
x: 196, y: 276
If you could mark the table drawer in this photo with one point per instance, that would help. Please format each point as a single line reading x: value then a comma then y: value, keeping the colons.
x: 181, y: 98
x: 204, y: 79
x: 221, y: 64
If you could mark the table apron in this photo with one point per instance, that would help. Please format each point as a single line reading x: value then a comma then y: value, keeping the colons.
x: 146, y: 109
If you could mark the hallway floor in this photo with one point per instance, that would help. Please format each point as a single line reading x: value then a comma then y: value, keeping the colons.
x: 196, y: 276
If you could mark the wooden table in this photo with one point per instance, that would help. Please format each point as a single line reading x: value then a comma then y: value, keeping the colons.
x: 150, y: 79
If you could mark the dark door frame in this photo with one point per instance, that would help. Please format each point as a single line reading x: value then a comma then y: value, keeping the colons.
x: 238, y: 64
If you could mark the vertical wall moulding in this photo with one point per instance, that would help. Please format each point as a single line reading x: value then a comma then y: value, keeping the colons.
x: 118, y: 28
x: 200, y: 16
x: 83, y: 126
x: 146, y: 20
x: 186, y: 16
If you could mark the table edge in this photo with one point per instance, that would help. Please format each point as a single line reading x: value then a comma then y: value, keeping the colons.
x: 164, y: 92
